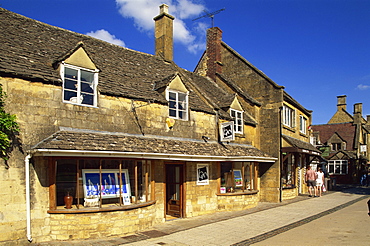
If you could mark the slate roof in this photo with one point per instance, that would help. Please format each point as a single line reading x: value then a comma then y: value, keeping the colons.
x: 345, y: 130
x: 85, y: 140
x: 32, y: 50
x: 294, y: 142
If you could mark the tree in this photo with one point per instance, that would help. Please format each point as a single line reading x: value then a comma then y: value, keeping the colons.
x: 9, y: 129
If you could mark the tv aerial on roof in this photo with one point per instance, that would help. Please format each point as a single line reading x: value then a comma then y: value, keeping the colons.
x: 210, y: 15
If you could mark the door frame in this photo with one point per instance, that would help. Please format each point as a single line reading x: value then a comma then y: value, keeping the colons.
x: 182, y: 186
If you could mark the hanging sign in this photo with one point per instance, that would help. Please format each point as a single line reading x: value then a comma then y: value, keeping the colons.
x: 227, y: 131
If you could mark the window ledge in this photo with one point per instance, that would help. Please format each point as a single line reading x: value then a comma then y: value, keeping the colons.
x: 104, y: 209
x: 251, y: 192
x: 289, y: 187
x: 292, y: 129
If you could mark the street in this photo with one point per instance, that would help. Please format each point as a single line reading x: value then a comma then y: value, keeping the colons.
x: 348, y: 226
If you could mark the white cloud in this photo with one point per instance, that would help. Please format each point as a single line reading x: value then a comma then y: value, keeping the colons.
x: 143, y: 12
x: 106, y: 36
x: 363, y: 87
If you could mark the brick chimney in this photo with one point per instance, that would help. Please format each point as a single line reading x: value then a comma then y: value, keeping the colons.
x: 214, y: 64
x: 341, y: 102
x: 164, y: 33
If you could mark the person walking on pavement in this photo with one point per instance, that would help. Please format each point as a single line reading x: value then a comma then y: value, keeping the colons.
x: 319, y: 181
x: 310, y: 179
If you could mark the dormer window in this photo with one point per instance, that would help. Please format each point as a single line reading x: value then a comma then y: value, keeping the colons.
x: 177, y: 104
x: 238, y: 120
x: 79, y: 85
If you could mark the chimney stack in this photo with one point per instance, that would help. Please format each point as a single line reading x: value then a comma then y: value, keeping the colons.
x: 357, y: 113
x: 342, y: 102
x: 214, y: 64
x: 164, y: 33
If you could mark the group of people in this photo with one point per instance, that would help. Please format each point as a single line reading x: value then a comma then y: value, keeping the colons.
x: 315, y: 181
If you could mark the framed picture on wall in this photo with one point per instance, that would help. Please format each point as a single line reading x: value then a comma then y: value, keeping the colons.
x: 202, y: 174
x: 238, y: 178
x: 109, y: 186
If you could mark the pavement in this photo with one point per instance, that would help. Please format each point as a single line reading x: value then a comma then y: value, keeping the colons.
x: 297, y: 219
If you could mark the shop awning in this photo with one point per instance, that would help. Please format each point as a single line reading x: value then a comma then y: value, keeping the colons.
x: 296, y: 145
x: 87, y: 143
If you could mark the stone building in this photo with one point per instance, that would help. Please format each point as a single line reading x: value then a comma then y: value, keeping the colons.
x: 280, y: 133
x: 344, y: 141
x: 113, y: 141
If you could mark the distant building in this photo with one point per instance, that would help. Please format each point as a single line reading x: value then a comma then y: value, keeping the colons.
x: 344, y: 142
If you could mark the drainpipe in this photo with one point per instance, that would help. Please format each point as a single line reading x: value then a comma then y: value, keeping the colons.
x: 28, y: 200
x: 280, y: 155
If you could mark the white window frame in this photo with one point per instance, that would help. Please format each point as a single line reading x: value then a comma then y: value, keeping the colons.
x: 288, y: 116
x: 332, y: 164
x: 237, y: 116
x: 79, y: 98
x: 180, y: 113
x: 302, y: 124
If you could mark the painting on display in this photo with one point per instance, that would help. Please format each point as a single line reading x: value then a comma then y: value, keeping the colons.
x: 202, y: 174
x: 110, y: 186
x: 238, y: 178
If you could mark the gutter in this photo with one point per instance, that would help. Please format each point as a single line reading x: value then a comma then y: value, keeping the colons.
x: 144, y: 155
x: 28, y: 198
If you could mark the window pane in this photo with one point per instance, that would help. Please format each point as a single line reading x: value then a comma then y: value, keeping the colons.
x: 87, y: 99
x: 87, y: 76
x: 172, y: 96
x: 70, y: 73
x: 182, y: 97
x: 331, y: 168
x: 172, y: 113
x: 87, y: 87
x: 69, y: 95
x: 70, y: 84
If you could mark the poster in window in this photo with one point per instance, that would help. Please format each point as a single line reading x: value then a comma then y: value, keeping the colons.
x: 227, y: 131
x: 202, y: 174
x: 110, y: 186
x: 238, y: 178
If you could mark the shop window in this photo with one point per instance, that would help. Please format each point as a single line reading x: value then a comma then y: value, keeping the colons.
x: 238, y: 177
x: 338, y: 167
x: 288, y: 172
x: 102, y: 182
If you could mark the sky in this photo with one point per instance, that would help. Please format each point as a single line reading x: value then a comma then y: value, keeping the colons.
x: 316, y: 49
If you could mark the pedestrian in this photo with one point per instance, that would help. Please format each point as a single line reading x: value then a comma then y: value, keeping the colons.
x: 310, y: 179
x: 319, y: 181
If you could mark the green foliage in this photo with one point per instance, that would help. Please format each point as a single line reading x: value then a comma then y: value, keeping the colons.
x: 8, y: 128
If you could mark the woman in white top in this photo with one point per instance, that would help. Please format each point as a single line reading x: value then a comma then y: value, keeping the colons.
x: 319, y: 181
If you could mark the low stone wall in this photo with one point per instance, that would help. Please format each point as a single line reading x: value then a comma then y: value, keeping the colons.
x: 237, y: 202
x: 101, y: 224
x: 290, y: 193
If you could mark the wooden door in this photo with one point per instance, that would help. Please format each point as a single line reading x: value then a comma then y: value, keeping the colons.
x: 174, y: 190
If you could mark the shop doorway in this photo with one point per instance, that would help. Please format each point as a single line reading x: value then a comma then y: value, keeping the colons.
x: 174, y: 190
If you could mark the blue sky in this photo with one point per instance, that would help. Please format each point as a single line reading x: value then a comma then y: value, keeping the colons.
x: 317, y: 49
